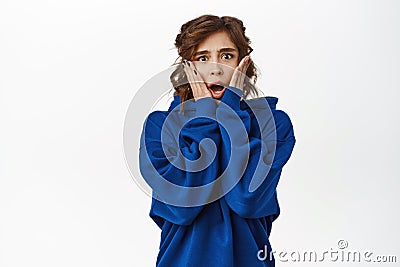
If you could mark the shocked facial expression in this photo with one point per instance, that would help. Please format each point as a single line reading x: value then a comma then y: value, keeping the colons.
x: 215, y: 58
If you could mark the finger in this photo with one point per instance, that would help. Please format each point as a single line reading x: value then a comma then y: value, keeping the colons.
x: 235, y: 77
x: 242, y: 63
x: 245, y: 66
x: 189, y: 75
x: 239, y: 74
x: 190, y: 78
x: 240, y: 69
x: 197, y: 84
x: 195, y: 78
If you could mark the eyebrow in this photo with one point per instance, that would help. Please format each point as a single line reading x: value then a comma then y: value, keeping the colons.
x: 225, y: 49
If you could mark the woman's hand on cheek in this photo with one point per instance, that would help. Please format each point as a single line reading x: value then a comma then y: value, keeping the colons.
x: 199, y: 88
x: 239, y: 73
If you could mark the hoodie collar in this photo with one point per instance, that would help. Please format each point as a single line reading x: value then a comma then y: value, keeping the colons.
x: 257, y: 103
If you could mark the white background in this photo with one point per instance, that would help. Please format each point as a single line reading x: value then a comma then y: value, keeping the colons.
x: 69, y: 69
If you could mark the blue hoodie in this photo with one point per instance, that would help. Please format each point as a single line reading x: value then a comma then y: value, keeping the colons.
x: 232, y: 229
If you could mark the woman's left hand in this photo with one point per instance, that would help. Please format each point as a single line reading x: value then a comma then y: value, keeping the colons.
x: 239, y: 74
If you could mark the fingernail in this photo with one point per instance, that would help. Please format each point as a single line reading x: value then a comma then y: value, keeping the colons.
x: 195, y: 72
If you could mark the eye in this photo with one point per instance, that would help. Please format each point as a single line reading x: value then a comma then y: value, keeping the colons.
x: 227, y: 56
x: 201, y: 58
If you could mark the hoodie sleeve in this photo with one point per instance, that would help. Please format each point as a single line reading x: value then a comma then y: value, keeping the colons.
x: 171, y: 158
x: 251, y: 197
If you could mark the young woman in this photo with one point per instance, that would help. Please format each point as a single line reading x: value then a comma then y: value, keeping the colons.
x: 223, y: 150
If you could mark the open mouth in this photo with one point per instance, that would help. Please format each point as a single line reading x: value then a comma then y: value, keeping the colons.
x: 216, y: 90
x: 217, y: 87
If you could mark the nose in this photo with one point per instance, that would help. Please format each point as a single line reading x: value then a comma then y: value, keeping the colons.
x: 215, y: 69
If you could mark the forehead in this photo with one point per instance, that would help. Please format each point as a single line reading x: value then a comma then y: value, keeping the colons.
x: 215, y: 41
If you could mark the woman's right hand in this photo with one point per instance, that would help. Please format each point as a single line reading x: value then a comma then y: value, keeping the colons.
x: 199, y: 88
